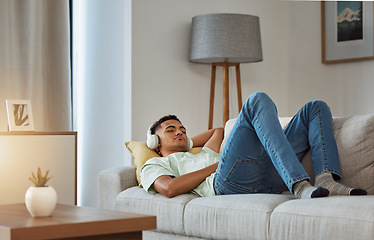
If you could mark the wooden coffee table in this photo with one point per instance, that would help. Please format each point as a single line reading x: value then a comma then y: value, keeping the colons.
x: 72, y: 222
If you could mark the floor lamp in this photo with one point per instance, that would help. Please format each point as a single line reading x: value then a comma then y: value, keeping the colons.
x: 225, y: 40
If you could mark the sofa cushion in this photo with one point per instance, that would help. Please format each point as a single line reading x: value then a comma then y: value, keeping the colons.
x: 355, y: 139
x: 244, y: 216
x: 169, y: 211
x: 324, y: 218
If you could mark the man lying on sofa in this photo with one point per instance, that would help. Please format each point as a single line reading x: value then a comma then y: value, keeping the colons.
x: 258, y: 157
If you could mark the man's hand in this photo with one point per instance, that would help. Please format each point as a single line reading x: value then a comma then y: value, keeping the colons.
x: 171, y: 187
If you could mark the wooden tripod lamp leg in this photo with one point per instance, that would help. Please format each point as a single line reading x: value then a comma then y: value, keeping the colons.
x: 226, y: 111
x: 239, y: 87
x: 212, y: 89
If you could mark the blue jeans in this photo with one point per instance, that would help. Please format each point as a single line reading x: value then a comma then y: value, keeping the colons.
x: 261, y: 157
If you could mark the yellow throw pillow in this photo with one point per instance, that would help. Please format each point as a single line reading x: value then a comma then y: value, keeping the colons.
x: 141, y: 153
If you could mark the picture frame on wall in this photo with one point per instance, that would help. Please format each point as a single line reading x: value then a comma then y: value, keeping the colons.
x: 20, y: 116
x: 347, y: 31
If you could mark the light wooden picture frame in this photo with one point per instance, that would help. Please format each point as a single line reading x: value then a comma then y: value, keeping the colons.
x: 20, y: 116
x: 348, y: 38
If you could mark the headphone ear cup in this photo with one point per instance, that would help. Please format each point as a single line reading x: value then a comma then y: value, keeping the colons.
x: 189, y: 144
x: 152, y: 142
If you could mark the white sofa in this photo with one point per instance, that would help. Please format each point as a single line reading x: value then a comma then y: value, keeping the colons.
x: 260, y: 216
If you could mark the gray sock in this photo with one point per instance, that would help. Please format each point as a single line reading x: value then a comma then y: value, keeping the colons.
x: 326, y: 180
x: 304, y: 190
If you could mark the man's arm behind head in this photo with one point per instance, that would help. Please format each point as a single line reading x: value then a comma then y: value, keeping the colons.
x: 211, y: 139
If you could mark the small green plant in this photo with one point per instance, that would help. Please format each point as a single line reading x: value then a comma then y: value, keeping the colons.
x: 39, y: 180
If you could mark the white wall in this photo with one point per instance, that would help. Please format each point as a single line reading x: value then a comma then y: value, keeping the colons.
x: 102, y: 75
x: 347, y: 87
x: 165, y: 82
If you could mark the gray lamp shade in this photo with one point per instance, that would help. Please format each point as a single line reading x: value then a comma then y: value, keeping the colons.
x: 225, y: 38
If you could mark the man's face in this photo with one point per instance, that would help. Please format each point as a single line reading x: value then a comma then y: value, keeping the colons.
x: 172, y: 136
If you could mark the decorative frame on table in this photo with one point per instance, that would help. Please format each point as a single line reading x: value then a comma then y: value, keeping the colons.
x: 347, y: 31
x: 20, y: 116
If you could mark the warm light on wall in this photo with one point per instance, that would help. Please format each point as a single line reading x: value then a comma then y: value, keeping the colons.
x: 20, y: 154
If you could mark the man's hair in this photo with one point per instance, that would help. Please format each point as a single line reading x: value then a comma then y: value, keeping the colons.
x: 155, y: 126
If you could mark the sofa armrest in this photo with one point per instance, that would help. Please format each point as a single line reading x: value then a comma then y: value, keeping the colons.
x: 113, y: 181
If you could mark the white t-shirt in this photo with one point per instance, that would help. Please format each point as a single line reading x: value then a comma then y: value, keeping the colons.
x: 178, y: 164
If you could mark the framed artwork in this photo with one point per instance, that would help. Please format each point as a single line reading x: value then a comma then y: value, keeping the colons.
x: 347, y: 31
x: 19, y: 115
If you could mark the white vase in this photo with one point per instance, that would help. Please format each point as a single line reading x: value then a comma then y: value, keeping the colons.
x: 41, y: 201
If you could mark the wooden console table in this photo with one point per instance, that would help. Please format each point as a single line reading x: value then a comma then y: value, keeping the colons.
x: 72, y: 222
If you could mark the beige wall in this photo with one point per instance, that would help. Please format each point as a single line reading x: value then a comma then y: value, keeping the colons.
x: 165, y: 82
